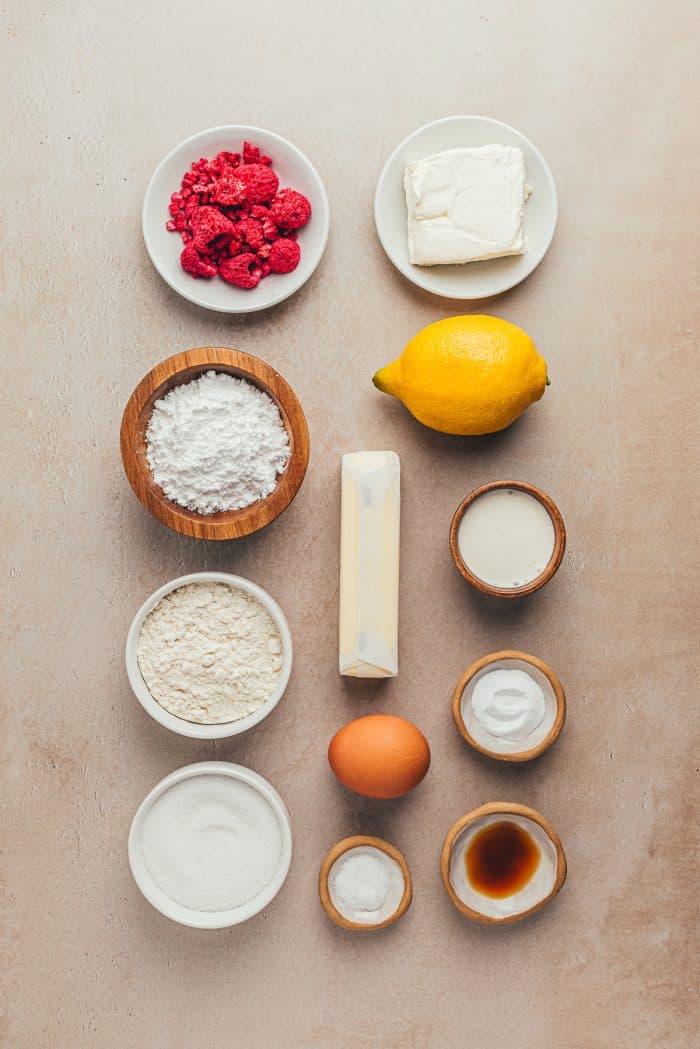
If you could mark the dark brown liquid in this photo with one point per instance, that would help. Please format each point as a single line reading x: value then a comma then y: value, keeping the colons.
x: 501, y: 859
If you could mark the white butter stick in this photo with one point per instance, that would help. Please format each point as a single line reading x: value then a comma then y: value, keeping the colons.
x: 369, y: 564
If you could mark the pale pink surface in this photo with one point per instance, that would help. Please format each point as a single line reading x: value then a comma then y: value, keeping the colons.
x: 96, y: 98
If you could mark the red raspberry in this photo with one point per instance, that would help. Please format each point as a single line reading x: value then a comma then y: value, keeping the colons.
x: 251, y: 154
x: 192, y: 262
x: 229, y: 191
x: 243, y: 271
x: 251, y: 231
x: 224, y: 161
x: 260, y: 182
x: 270, y: 231
x: 290, y: 210
x: 210, y: 228
x: 284, y: 255
x: 234, y: 219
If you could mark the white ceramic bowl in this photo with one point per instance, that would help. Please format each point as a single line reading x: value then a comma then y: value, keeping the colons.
x: 473, y: 280
x: 210, y: 919
x: 294, y: 170
x: 191, y: 728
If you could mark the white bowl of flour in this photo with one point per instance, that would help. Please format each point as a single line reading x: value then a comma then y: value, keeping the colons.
x: 211, y: 845
x: 209, y: 655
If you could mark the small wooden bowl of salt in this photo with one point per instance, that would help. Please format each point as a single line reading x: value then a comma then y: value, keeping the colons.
x: 179, y: 371
x: 364, y: 884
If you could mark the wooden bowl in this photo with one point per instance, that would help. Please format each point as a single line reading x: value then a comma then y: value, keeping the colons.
x: 554, y: 561
x: 352, y: 843
x: 183, y: 368
x: 543, y: 736
x: 541, y: 828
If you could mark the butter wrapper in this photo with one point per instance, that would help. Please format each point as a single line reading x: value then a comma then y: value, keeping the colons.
x: 369, y: 564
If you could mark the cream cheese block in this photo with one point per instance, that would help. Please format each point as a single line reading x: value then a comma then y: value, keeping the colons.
x: 369, y: 564
x: 465, y: 205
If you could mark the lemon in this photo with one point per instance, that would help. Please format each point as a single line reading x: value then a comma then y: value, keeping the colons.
x: 466, y: 375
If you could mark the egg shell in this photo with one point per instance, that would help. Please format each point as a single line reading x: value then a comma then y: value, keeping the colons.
x: 379, y: 756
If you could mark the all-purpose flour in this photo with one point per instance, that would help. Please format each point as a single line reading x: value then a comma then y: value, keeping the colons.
x: 216, y: 443
x: 210, y: 653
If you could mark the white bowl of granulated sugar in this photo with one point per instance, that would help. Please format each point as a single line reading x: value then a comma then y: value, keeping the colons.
x: 209, y: 655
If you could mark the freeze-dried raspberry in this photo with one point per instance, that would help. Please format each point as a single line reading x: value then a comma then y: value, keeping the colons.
x: 224, y: 161
x: 260, y: 182
x: 250, y: 230
x: 192, y: 262
x: 270, y: 230
x: 229, y: 191
x: 284, y: 255
x: 234, y: 220
x: 244, y: 270
x: 251, y: 153
x: 210, y: 227
x: 290, y: 210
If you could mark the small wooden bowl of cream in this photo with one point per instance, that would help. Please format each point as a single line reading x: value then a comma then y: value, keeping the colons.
x: 364, y: 884
x: 183, y: 370
x: 507, y: 538
x: 509, y: 705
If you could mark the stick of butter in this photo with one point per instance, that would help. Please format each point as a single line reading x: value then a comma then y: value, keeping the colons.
x: 369, y: 564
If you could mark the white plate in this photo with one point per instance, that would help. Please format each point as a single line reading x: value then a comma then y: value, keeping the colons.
x: 294, y: 170
x: 473, y: 280
x: 210, y: 919
x: 191, y: 728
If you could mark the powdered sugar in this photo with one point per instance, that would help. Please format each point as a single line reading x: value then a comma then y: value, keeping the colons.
x: 216, y: 443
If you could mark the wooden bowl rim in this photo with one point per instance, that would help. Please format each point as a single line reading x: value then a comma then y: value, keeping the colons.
x: 353, y: 842
x: 524, y: 657
x: 551, y: 566
x: 226, y: 524
x: 501, y: 808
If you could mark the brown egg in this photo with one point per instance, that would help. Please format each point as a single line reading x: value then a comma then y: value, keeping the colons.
x: 380, y: 756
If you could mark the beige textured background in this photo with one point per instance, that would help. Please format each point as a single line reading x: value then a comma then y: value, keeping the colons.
x: 95, y: 94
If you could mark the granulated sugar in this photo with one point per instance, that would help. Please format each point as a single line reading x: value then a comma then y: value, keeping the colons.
x: 216, y: 443
x: 211, y: 843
